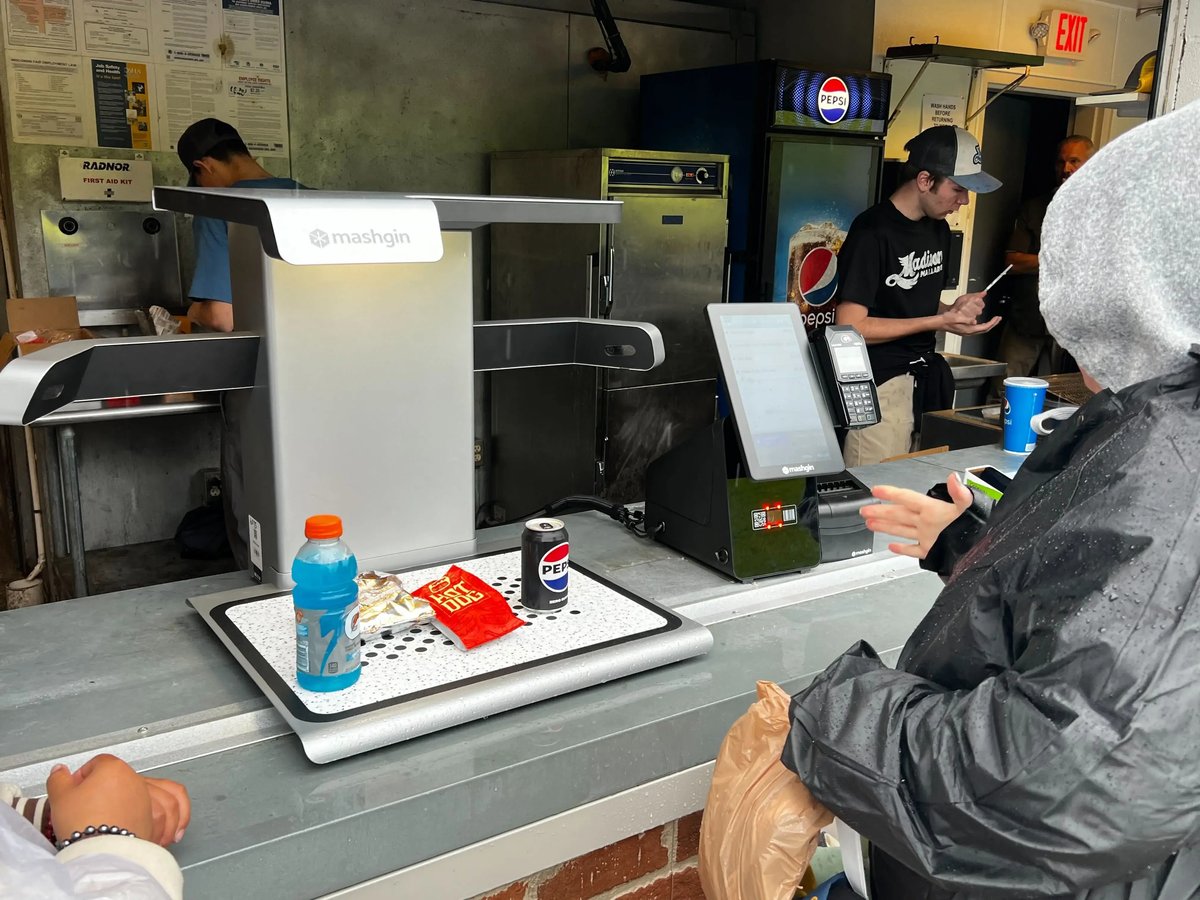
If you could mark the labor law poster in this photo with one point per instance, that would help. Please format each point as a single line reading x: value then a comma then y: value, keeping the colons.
x: 135, y: 73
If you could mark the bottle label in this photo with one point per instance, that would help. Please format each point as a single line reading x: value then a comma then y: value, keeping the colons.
x: 327, y: 640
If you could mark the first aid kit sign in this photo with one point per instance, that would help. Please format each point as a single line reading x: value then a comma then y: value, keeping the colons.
x: 127, y: 180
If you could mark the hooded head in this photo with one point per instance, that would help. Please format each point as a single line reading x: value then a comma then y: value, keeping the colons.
x: 1119, y: 267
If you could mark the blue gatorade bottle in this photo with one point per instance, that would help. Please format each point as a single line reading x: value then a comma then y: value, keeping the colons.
x: 326, y: 599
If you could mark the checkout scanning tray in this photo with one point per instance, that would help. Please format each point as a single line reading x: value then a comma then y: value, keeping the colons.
x: 415, y: 682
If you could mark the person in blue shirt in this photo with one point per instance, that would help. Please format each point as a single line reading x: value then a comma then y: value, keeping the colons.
x: 216, y: 157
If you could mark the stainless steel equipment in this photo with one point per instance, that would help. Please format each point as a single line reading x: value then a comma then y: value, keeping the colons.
x: 365, y: 409
x: 113, y: 262
x: 596, y: 432
x: 359, y: 366
x: 972, y: 376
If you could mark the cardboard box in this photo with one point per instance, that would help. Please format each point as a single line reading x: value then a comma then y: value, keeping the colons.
x: 57, y: 314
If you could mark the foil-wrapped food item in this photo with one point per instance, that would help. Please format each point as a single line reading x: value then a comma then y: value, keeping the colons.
x: 384, y: 605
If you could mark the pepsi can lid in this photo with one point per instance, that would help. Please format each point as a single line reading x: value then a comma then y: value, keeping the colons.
x: 545, y: 525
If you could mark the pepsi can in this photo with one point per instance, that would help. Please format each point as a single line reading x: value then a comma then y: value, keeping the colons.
x: 545, y: 556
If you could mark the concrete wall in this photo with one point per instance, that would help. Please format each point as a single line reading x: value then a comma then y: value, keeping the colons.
x: 404, y: 95
x: 837, y: 35
x: 448, y: 83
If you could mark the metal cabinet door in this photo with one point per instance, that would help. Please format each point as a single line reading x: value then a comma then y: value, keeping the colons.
x: 543, y: 422
x: 667, y: 264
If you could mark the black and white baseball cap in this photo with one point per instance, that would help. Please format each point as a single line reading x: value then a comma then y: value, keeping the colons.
x: 951, y: 152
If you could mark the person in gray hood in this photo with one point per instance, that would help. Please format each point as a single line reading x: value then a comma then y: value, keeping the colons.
x: 1040, y: 735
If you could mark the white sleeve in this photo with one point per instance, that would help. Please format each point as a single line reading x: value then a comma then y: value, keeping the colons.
x: 114, y: 868
x: 99, y: 865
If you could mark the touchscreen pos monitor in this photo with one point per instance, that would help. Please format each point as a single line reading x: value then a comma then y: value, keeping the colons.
x: 741, y: 495
x: 779, y: 411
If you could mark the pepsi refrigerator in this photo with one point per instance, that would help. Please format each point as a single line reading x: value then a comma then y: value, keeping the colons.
x: 805, y: 150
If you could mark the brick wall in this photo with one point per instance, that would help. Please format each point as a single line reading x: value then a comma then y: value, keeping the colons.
x: 659, y: 864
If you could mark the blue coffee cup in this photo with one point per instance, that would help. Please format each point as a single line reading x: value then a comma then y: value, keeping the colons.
x: 1023, y: 399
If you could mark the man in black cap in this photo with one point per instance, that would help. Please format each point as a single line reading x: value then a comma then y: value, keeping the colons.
x: 892, y: 270
x: 216, y: 157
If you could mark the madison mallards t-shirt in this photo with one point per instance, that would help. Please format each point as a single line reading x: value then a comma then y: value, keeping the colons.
x: 897, y: 269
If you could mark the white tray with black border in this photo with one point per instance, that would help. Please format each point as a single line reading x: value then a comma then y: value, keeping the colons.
x: 417, y: 681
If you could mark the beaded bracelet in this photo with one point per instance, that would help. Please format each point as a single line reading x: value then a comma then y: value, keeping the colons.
x: 93, y: 831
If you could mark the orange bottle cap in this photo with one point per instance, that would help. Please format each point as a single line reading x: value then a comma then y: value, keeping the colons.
x: 322, y: 528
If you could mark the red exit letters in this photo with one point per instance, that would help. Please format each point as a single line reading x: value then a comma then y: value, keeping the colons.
x: 1067, y: 29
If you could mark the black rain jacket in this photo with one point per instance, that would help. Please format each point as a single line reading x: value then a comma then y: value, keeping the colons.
x: 1040, y: 736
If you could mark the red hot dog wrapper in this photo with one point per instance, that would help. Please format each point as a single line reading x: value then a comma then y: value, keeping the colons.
x: 469, y: 610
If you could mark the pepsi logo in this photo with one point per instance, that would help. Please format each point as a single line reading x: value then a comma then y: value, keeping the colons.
x: 833, y: 100
x: 818, y: 276
x: 552, y: 569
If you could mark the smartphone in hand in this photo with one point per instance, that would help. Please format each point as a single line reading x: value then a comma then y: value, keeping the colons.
x: 987, y: 480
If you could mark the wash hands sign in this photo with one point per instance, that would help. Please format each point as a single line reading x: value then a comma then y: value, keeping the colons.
x: 941, y: 109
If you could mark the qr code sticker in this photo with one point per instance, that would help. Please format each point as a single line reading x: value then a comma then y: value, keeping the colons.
x: 758, y: 518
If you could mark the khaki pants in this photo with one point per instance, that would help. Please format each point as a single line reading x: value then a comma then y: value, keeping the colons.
x: 894, y: 433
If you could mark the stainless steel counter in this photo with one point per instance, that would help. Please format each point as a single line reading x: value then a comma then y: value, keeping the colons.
x: 139, y: 674
x: 62, y: 469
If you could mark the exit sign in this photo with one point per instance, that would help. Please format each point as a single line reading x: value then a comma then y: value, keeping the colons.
x: 1067, y: 36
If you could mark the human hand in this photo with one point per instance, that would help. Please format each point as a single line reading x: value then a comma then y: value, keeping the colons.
x: 104, y: 791
x: 170, y: 805
x: 961, y: 320
x: 969, y: 305
x: 962, y: 316
x: 171, y: 808
x: 907, y: 514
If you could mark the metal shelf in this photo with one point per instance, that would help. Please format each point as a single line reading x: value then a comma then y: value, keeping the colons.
x: 964, y: 56
x: 1129, y: 103
x: 950, y: 55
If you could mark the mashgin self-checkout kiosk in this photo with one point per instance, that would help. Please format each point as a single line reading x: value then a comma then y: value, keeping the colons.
x: 763, y: 491
x: 353, y: 381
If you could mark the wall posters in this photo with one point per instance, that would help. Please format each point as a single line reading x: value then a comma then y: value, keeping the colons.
x: 134, y: 74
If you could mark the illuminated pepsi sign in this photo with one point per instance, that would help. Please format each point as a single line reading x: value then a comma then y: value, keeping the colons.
x: 829, y: 101
x: 833, y: 100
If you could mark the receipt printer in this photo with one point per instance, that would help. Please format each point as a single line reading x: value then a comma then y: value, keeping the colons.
x: 844, y: 533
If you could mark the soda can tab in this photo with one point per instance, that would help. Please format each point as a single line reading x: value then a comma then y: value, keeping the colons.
x: 545, y: 564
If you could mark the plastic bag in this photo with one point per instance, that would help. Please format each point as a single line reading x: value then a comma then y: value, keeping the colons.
x: 760, y: 824
x: 29, y: 871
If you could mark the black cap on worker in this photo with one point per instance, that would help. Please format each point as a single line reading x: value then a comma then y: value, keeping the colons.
x: 199, y: 140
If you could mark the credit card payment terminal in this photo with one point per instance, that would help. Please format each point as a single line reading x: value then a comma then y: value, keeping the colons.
x: 846, y: 370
